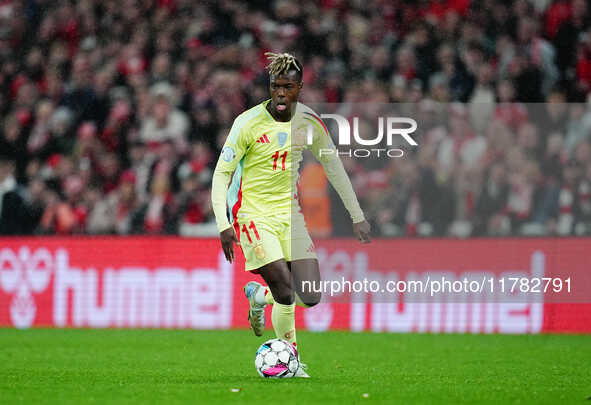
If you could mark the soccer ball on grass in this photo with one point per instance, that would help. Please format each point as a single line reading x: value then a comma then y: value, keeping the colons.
x: 276, y: 358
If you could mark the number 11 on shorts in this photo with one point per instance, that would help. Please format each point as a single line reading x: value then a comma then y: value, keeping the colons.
x: 252, y: 227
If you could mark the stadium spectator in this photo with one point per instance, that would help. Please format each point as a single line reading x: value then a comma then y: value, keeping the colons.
x: 14, y: 215
x: 164, y: 122
x: 113, y: 214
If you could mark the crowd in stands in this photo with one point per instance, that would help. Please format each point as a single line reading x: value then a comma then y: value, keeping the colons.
x: 112, y: 113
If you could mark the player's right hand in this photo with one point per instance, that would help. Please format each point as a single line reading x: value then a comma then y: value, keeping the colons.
x: 228, y: 237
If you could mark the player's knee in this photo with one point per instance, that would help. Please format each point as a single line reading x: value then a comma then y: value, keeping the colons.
x: 284, y: 297
x: 314, y: 299
x: 311, y: 298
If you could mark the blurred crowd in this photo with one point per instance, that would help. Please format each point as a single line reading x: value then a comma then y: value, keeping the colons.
x: 113, y: 112
x: 481, y: 169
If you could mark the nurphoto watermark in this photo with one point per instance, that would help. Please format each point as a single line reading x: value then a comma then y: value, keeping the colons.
x: 391, y: 126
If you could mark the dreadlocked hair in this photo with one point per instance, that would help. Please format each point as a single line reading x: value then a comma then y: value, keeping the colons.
x: 281, y: 63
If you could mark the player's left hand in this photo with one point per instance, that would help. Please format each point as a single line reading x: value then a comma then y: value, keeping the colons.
x: 362, y: 230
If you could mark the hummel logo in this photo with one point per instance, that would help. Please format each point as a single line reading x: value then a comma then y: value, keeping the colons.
x: 263, y: 139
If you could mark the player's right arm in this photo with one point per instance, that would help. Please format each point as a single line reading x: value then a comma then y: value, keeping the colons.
x: 336, y: 174
x: 234, y: 149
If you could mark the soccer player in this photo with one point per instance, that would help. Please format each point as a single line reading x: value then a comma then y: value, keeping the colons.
x: 263, y: 152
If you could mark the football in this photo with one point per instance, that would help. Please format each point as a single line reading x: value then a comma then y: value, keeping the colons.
x: 276, y: 358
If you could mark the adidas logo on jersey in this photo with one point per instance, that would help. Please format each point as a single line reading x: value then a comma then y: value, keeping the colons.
x: 263, y: 139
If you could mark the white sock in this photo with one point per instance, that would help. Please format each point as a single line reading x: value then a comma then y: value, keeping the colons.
x: 259, y: 297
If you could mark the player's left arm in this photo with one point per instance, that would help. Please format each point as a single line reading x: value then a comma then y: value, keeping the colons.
x: 325, y: 152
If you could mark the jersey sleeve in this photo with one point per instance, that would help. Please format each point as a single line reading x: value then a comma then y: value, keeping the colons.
x: 326, y: 153
x: 233, y: 151
x: 234, y: 148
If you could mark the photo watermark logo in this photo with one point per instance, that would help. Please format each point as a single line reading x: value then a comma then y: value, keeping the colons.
x: 390, y: 126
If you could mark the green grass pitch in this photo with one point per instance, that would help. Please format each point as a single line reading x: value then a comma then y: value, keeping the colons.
x: 187, y: 367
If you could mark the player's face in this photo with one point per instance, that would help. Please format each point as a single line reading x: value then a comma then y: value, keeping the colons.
x: 285, y: 90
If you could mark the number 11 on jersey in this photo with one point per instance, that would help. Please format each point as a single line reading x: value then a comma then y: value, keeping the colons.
x: 276, y: 157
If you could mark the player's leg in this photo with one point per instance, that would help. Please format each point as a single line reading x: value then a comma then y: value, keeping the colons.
x: 260, y: 246
x: 278, y: 278
x: 305, y: 274
x: 306, y: 281
x: 299, y: 253
x: 301, y: 257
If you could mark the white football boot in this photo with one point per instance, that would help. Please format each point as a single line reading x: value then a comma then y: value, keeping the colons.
x: 256, y: 312
x: 301, y: 373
